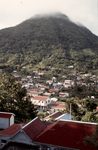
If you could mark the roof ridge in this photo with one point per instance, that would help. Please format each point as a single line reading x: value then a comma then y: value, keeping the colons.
x: 79, y: 122
x: 29, y: 122
x: 53, y: 114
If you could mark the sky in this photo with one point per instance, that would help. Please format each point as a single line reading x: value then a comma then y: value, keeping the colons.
x: 85, y: 12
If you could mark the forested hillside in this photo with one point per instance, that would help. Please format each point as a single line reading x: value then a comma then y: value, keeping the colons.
x: 48, y: 41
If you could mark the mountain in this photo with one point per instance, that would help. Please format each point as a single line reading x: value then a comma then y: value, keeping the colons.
x: 51, y: 40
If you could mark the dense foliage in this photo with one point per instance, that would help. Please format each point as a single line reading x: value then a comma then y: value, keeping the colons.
x: 87, y: 111
x: 92, y: 139
x: 12, y: 99
x: 48, y: 41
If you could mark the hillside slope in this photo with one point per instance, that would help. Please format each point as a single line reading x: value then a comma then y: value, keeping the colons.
x: 48, y: 41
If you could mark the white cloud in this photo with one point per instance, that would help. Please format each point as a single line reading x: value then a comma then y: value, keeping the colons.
x: 13, y: 12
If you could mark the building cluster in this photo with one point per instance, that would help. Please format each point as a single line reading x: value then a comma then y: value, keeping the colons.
x: 44, y: 94
x: 59, y: 135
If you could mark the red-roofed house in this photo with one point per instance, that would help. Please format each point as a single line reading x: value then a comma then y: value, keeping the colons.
x: 58, y: 105
x: 66, y: 135
x: 6, y: 119
x: 53, y: 116
x: 63, y: 94
x: 6, y: 134
x: 33, y: 93
x: 34, y: 128
x: 68, y: 83
x: 41, y: 102
x: 24, y: 133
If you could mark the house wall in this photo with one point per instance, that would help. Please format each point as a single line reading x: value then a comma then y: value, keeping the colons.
x: 21, y: 137
x: 4, y: 123
x: 12, y: 120
x: 41, y: 102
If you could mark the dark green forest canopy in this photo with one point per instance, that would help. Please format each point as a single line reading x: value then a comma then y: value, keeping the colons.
x: 48, y: 40
x: 12, y: 99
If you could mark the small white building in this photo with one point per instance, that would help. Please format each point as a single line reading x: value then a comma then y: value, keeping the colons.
x: 6, y: 119
x: 63, y: 94
x: 67, y: 83
x: 49, y: 82
x: 33, y: 93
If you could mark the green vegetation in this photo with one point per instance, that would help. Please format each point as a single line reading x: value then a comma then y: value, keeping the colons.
x: 48, y: 41
x: 82, y: 110
x: 12, y: 99
x: 92, y: 139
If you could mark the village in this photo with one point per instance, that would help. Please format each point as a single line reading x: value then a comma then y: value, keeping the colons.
x: 58, y: 109
x: 49, y: 93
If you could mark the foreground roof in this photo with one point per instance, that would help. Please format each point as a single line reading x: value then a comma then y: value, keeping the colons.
x: 11, y: 130
x: 67, y: 134
x: 34, y: 128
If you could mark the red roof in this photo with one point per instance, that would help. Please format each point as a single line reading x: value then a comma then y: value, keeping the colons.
x: 41, y: 98
x: 61, y: 93
x: 67, y: 83
x: 34, y: 128
x: 57, y: 105
x: 67, y: 134
x: 5, y: 115
x: 11, y: 130
x: 34, y: 92
x: 55, y: 115
x: 54, y: 90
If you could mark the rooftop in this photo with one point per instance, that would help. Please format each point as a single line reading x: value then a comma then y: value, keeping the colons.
x: 12, y: 129
x: 67, y: 134
x: 6, y: 115
x: 41, y: 98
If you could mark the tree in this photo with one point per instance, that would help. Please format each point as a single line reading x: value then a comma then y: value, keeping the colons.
x: 74, y: 106
x: 89, y: 117
x: 12, y: 99
x: 89, y: 104
x: 92, y: 139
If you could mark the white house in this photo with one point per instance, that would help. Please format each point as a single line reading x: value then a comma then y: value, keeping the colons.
x: 41, y: 102
x: 33, y: 93
x: 49, y: 82
x: 63, y: 94
x: 6, y: 119
x: 67, y: 83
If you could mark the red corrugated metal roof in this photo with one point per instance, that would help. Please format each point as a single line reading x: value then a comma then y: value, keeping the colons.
x: 11, y: 130
x: 55, y: 115
x: 5, y: 115
x: 34, y: 128
x: 67, y: 134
